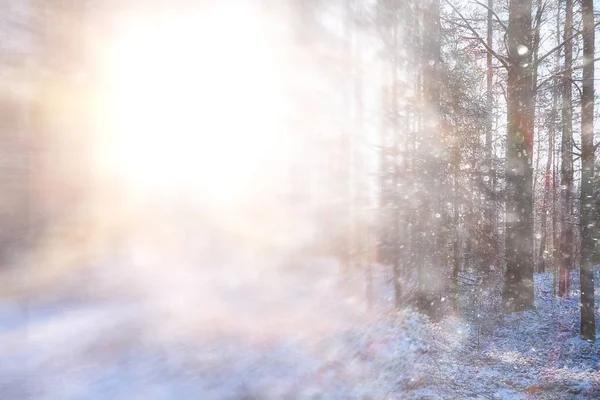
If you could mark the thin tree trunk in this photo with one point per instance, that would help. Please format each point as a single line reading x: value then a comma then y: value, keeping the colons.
x: 490, y: 208
x: 456, y: 241
x: 536, y: 50
x: 395, y: 192
x: 348, y: 235
x: 371, y: 259
x: 555, y: 105
x: 431, y: 91
x: 536, y: 166
x: 587, y: 217
x: 359, y: 232
x: 548, y: 175
x: 566, y: 169
x: 536, y: 47
x: 382, y: 229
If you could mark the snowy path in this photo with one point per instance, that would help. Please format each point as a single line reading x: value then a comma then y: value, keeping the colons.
x: 213, y: 334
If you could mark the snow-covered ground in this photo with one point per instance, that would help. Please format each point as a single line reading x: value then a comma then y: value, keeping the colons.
x: 265, y: 332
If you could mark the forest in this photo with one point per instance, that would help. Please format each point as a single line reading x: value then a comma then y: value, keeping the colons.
x: 299, y: 199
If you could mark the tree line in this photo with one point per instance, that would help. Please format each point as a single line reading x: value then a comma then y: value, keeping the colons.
x: 486, y: 147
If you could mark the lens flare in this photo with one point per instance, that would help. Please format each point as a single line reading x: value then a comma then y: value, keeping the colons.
x: 193, y: 101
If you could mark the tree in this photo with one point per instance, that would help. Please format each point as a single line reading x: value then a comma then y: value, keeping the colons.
x: 549, y: 160
x: 518, y: 283
x: 431, y: 214
x: 587, y: 218
x: 566, y: 154
x: 392, y: 25
x: 491, y: 211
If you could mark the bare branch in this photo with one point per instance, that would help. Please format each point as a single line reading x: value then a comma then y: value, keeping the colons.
x: 477, y: 37
x: 502, y: 24
x: 560, y: 73
x: 559, y: 46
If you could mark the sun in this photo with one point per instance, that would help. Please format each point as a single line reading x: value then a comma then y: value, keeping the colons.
x: 192, y: 101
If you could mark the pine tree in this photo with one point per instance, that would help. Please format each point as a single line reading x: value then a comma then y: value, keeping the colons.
x: 518, y: 283
x: 587, y: 217
x: 566, y: 168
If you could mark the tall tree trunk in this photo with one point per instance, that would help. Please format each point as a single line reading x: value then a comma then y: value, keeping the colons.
x: 396, y: 194
x: 536, y: 166
x: 359, y: 231
x: 556, y: 213
x: 490, y: 209
x: 536, y: 49
x: 566, y: 168
x: 518, y: 282
x: 395, y: 180
x: 548, y: 175
x: 456, y: 224
x: 555, y: 104
x: 428, y: 286
x: 384, y: 195
x: 587, y: 218
x: 547, y: 186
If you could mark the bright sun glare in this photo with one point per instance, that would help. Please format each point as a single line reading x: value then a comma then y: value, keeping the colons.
x: 193, y: 102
